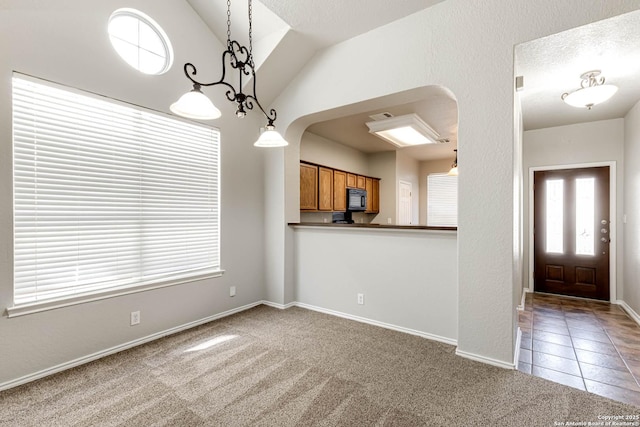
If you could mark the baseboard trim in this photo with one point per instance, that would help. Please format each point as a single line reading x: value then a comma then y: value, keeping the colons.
x: 516, y: 353
x: 635, y: 316
x: 484, y: 359
x: 525, y: 291
x: 278, y: 305
x: 378, y: 323
x: 107, y: 352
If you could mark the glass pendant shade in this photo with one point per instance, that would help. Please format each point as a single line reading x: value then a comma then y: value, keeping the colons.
x: 270, y: 138
x: 589, y: 96
x: 195, y: 105
x: 454, y: 166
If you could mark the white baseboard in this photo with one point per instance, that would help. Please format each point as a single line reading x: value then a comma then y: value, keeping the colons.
x: 525, y: 291
x: 278, y: 305
x: 378, y: 323
x: 635, y: 316
x: 484, y: 359
x: 109, y: 351
x: 516, y: 352
x: 91, y: 357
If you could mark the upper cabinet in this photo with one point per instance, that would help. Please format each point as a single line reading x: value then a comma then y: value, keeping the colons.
x: 325, y: 189
x: 351, y: 180
x: 339, y: 191
x: 308, y: 187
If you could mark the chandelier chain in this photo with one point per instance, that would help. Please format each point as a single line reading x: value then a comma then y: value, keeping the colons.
x: 228, y: 23
x: 250, y: 34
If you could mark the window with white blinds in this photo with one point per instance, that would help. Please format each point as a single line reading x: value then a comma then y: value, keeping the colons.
x: 108, y: 196
x: 442, y: 200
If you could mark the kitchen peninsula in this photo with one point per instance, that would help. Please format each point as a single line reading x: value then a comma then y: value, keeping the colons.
x: 399, y: 277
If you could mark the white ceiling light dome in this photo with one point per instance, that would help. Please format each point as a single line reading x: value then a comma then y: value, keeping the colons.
x: 592, y: 92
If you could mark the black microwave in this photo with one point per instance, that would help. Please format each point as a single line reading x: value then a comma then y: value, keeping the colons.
x: 356, y: 199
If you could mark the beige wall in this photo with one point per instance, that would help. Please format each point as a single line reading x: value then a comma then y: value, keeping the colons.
x: 631, y: 229
x: 438, y: 44
x: 67, y: 42
x: 323, y: 151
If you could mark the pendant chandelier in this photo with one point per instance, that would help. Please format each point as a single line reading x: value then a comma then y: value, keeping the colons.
x: 592, y: 91
x: 195, y: 104
x: 454, y: 166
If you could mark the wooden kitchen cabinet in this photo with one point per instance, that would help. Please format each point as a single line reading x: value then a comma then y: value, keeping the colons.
x: 369, y: 187
x: 375, y: 196
x: 339, y: 191
x: 308, y: 187
x: 351, y: 180
x: 325, y: 189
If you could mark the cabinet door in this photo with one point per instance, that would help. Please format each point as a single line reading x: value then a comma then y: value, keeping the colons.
x: 375, y: 196
x: 325, y: 189
x: 351, y: 180
x: 361, y: 182
x: 369, y: 187
x: 339, y: 191
x: 308, y: 187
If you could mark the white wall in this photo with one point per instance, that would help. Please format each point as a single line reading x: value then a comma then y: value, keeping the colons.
x: 426, y: 168
x: 574, y: 144
x: 66, y: 42
x: 383, y: 166
x: 408, y: 170
x: 436, y: 46
x: 408, y: 278
x: 631, y: 230
x: 323, y: 151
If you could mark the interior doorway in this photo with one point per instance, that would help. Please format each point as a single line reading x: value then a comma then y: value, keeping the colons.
x: 572, y: 232
x: 405, y: 203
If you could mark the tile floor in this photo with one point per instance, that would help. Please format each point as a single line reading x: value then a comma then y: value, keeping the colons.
x: 589, y: 345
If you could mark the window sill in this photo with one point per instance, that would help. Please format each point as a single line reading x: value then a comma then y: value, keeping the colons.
x: 37, y: 307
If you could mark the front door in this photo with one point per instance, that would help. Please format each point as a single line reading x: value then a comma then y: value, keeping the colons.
x: 571, y: 232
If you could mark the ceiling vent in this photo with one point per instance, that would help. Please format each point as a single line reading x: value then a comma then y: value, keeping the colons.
x: 382, y: 116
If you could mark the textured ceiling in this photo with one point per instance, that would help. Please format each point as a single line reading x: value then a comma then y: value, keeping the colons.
x: 552, y: 66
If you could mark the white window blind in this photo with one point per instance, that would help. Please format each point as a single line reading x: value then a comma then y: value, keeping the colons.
x: 442, y: 200
x: 108, y: 196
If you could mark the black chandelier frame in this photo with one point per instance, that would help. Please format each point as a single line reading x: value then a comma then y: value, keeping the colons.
x: 239, y: 58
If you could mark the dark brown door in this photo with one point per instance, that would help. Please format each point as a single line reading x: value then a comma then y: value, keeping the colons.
x: 571, y: 232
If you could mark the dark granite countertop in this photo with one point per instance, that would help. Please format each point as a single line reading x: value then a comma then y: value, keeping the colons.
x: 372, y: 226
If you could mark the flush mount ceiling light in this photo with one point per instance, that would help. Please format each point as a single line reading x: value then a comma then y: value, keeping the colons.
x: 454, y: 166
x: 404, y: 131
x: 196, y: 105
x: 593, y: 91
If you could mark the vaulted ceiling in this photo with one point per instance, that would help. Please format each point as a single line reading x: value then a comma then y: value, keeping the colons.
x: 286, y: 34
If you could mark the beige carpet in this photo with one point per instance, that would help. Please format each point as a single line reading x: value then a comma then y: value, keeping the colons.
x: 269, y: 367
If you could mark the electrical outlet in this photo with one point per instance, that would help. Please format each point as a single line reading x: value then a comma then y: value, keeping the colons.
x: 388, y: 220
x: 135, y: 318
x: 232, y: 291
x: 361, y: 299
